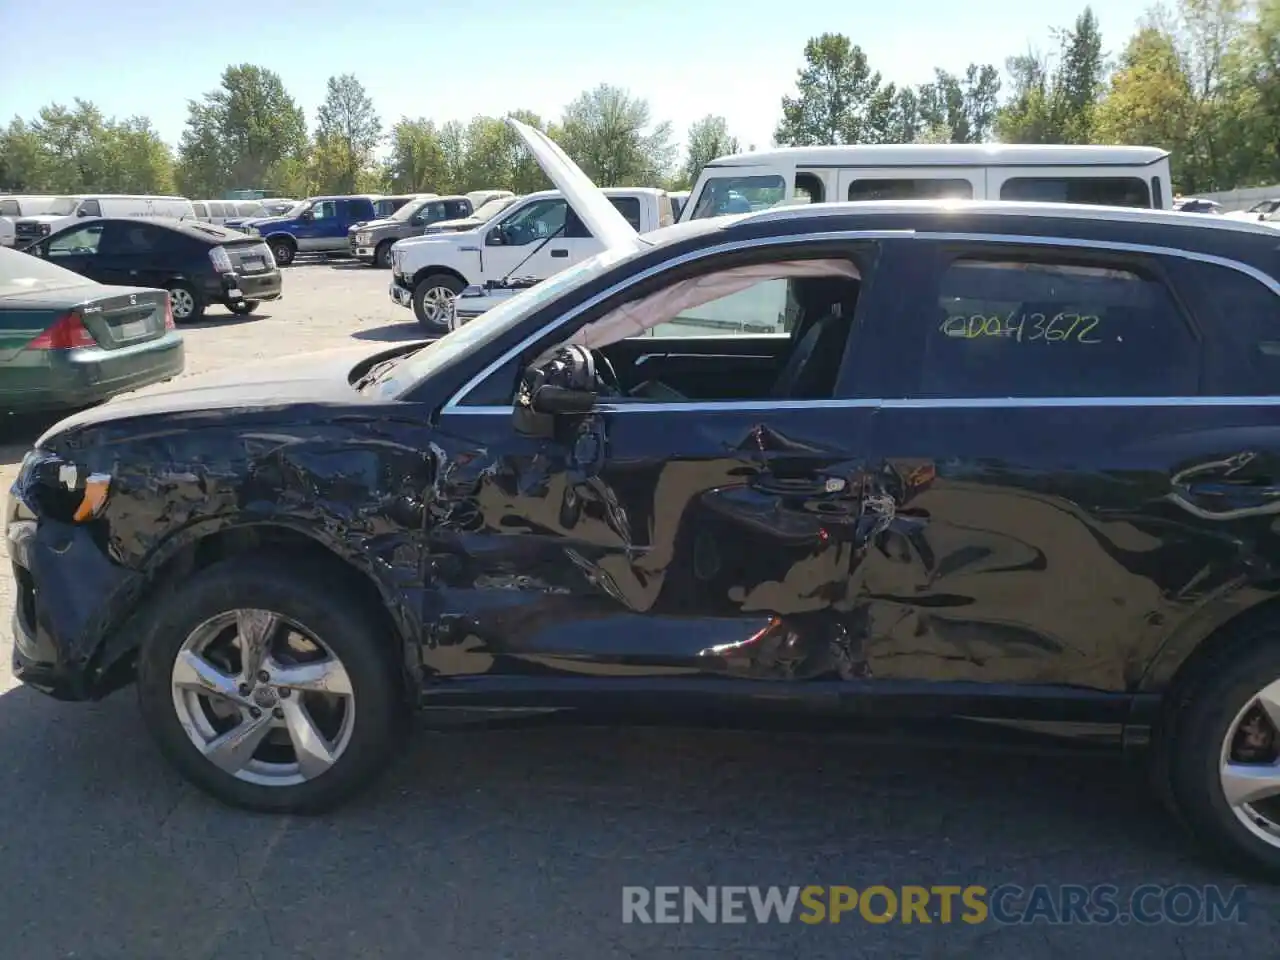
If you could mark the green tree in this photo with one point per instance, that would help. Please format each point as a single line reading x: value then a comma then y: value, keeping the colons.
x: 1149, y: 101
x: 839, y: 99
x: 136, y: 159
x: 453, y: 146
x: 74, y: 140
x: 1056, y: 105
x: 417, y: 161
x: 238, y: 134
x: 1260, y: 74
x: 965, y: 107
x: 708, y: 138
x: 607, y: 133
x: 24, y: 164
x: 348, y: 130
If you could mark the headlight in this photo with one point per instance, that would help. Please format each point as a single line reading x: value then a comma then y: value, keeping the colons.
x: 52, y: 487
x: 364, y: 239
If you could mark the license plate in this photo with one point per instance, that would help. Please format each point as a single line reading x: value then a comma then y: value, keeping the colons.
x: 235, y: 294
x: 132, y: 330
x: 253, y: 264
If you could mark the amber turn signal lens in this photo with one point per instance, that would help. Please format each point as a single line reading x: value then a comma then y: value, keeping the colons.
x: 96, y: 489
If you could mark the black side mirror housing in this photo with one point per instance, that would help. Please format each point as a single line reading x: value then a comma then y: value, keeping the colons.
x: 495, y: 238
x: 556, y: 392
x: 306, y: 216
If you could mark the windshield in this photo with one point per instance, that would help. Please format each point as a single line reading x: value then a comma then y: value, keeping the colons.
x: 491, y: 208
x: 410, y: 208
x: 493, y: 323
x: 63, y: 207
x: 22, y: 273
x: 1266, y: 206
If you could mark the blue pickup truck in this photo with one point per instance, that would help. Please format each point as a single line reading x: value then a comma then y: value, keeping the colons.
x: 315, y: 225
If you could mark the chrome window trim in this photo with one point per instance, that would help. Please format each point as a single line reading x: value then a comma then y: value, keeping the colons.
x: 923, y: 403
x: 453, y: 405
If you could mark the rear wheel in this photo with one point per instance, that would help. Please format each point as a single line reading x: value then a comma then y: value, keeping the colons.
x: 432, y: 297
x: 244, y: 307
x: 269, y: 687
x: 382, y: 255
x: 186, y: 301
x: 1223, y: 757
x: 283, y: 249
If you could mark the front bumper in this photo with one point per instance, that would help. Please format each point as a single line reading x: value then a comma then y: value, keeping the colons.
x: 400, y: 295
x: 66, y: 588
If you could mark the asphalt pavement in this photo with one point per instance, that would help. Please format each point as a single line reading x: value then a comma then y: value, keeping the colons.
x: 514, y: 844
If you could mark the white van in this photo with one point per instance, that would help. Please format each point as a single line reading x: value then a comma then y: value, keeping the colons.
x: 1111, y: 176
x: 220, y: 211
x: 14, y: 208
x: 66, y: 210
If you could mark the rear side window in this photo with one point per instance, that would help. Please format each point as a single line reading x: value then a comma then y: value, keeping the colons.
x: 726, y: 195
x: 200, y: 209
x: 1104, y: 191
x: 1240, y: 317
x: 629, y: 207
x: 457, y: 209
x: 360, y: 209
x: 922, y: 188
x: 134, y: 239
x: 1040, y: 328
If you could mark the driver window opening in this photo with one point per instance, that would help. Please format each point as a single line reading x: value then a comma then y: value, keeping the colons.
x: 762, y: 331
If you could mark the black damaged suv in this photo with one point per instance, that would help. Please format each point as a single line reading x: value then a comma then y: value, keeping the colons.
x: 1003, y: 467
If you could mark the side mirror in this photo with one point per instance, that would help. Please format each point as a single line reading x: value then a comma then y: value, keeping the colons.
x: 82, y: 212
x: 562, y: 401
x: 495, y: 238
x: 306, y: 216
x: 554, y: 387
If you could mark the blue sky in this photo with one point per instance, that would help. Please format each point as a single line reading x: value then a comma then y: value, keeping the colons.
x: 450, y: 59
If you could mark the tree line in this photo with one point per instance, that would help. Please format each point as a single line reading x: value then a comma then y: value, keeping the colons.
x: 1201, y: 79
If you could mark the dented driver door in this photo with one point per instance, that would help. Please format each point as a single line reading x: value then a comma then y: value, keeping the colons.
x: 707, y: 543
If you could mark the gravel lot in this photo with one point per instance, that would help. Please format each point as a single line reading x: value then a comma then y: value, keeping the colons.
x: 518, y: 844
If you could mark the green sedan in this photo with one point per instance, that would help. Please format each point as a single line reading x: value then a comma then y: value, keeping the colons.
x: 66, y: 341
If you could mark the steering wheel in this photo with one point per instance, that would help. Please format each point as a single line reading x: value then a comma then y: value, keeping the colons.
x: 607, y: 376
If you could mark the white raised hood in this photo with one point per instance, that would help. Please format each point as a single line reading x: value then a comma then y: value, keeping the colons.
x: 592, y: 207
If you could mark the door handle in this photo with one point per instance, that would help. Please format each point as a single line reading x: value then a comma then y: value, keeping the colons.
x: 560, y: 252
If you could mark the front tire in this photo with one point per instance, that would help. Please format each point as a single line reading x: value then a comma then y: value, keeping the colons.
x: 269, y: 687
x: 1223, y: 757
x: 430, y: 301
x: 382, y: 255
x: 187, y: 304
x: 244, y: 307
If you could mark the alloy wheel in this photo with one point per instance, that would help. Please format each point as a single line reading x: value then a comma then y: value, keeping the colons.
x: 183, y: 303
x: 435, y: 305
x: 1250, y: 765
x: 263, y: 698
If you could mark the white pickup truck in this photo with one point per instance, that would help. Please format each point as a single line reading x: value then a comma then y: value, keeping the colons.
x: 537, y: 236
